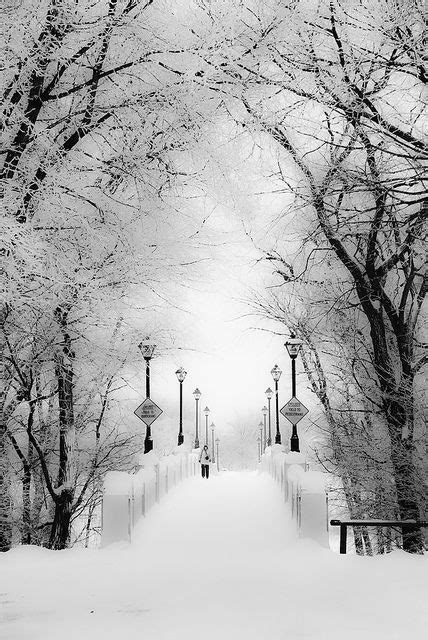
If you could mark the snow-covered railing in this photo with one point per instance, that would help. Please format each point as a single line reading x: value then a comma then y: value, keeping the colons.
x: 304, y: 490
x: 127, y: 497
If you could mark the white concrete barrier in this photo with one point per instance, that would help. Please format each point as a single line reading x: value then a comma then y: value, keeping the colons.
x: 304, y: 490
x: 128, y: 497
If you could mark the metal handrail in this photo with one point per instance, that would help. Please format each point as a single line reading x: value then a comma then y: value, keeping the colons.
x: 344, y: 524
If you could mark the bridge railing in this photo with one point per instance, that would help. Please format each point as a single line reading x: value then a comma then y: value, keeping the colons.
x: 303, y: 490
x: 128, y: 497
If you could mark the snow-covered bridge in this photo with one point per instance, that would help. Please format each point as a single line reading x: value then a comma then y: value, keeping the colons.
x: 214, y: 559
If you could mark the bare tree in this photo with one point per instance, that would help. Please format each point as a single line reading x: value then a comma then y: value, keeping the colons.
x: 338, y: 90
x: 92, y: 136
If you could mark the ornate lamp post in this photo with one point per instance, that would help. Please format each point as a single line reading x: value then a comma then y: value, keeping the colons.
x: 276, y: 374
x: 197, y: 395
x: 259, y: 443
x: 217, y: 442
x: 264, y: 413
x: 293, y: 345
x: 269, y: 394
x: 261, y: 438
x: 212, y: 441
x: 147, y: 349
x: 181, y: 374
x: 207, y: 413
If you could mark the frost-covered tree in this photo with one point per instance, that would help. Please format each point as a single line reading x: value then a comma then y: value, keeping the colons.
x: 336, y: 88
x: 94, y: 120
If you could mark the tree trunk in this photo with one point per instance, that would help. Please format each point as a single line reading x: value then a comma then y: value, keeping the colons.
x: 349, y: 495
x: 5, y: 510
x: 380, y: 540
x: 402, y: 456
x: 60, y: 531
x: 92, y: 508
x: 5, y: 503
x: 39, y: 500
x: 364, y: 530
x: 367, y: 541
x: 26, y: 533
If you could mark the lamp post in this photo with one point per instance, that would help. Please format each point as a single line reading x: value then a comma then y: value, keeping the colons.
x: 217, y: 442
x: 197, y: 395
x: 269, y: 394
x: 293, y: 345
x: 276, y: 374
x: 147, y: 349
x: 207, y: 413
x: 264, y: 413
x: 261, y: 438
x: 258, y: 449
x: 181, y: 374
x: 212, y: 440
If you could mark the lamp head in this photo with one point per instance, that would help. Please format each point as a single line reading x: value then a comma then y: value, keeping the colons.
x: 276, y: 373
x: 293, y: 345
x: 147, y: 348
x: 181, y: 374
x: 269, y: 393
x: 264, y: 411
x: 197, y: 394
x: 206, y: 411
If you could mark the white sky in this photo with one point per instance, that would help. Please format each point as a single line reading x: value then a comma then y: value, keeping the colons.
x: 227, y: 352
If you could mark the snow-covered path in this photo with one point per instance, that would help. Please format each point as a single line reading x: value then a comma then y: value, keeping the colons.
x: 216, y: 559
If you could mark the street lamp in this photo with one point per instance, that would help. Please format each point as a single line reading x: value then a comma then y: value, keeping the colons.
x: 147, y: 349
x: 269, y: 394
x: 181, y: 374
x: 276, y: 374
x: 212, y: 434
x: 207, y: 413
x: 261, y: 437
x: 217, y: 441
x: 258, y: 449
x: 264, y: 413
x: 293, y: 345
x: 197, y: 395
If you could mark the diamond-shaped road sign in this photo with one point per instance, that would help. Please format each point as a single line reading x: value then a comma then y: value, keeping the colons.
x: 148, y: 411
x: 294, y: 410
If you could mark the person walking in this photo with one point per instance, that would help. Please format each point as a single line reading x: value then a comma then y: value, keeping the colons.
x: 205, y: 460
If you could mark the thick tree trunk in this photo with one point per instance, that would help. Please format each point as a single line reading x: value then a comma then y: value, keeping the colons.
x: 5, y: 510
x: 397, y: 398
x: 60, y: 531
x: 26, y: 533
x: 5, y: 503
x: 404, y: 474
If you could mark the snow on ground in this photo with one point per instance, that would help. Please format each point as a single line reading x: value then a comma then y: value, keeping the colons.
x: 216, y: 559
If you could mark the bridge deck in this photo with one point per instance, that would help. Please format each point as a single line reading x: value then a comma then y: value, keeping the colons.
x: 216, y: 559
